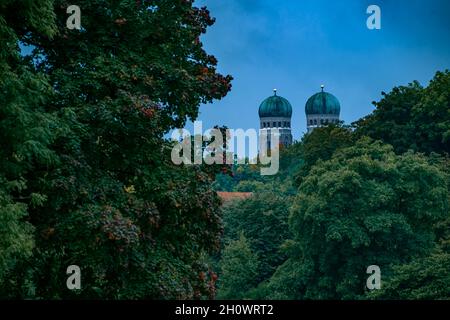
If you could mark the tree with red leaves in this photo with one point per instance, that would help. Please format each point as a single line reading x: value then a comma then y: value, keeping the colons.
x: 136, y: 224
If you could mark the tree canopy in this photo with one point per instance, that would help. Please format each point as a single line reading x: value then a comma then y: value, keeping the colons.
x: 412, y: 117
x: 360, y: 208
x: 84, y: 161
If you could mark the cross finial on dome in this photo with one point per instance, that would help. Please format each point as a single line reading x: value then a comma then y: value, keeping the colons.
x: 322, y: 87
x: 275, y: 92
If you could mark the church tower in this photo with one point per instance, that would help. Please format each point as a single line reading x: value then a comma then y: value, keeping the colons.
x: 276, y: 112
x: 321, y: 109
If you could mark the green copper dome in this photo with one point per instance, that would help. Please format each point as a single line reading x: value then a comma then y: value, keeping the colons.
x: 275, y: 106
x: 323, y: 103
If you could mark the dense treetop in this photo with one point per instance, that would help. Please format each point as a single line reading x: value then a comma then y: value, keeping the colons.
x: 83, y: 160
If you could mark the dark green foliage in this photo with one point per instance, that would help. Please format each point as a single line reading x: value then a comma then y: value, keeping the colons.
x: 243, y: 178
x: 413, y: 117
x: 25, y: 130
x: 358, y: 209
x: 16, y: 240
x: 263, y: 221
x: 422, y: 279
x: 239, y: 269
x: 83, y: 150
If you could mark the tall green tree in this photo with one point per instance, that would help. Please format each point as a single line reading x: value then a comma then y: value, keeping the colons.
x: 317, y: 145
x: 421, y: 279
x: 25, y: 130
x: 112, y: 202
x: 358, y: 209
x: 263, y: 220
x: 424, y: 278
x: 412, y: 117
x: 239, y: 266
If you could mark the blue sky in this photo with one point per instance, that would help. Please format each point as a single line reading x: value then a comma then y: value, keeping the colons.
x: 296, y: 45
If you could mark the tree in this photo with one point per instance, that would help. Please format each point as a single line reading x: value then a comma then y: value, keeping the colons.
x: 243, y: 178
x: 25, y: 131
x: 239, y: 267
x: 421, y: 279
x: 358, y: 209
x: 424, y: 278
x: 249, y: 186
x: 263, y: 220
x: 112, y: 201
x: 412, y: 117
x: 319, y: 145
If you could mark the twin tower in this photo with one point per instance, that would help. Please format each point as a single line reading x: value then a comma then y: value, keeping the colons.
x: 276, y: 112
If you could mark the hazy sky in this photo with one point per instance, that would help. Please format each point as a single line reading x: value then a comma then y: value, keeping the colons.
x: 296, y: 45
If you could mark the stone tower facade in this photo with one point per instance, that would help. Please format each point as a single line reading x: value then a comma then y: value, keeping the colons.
x: 321, y: 109
x: 276, y: 112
